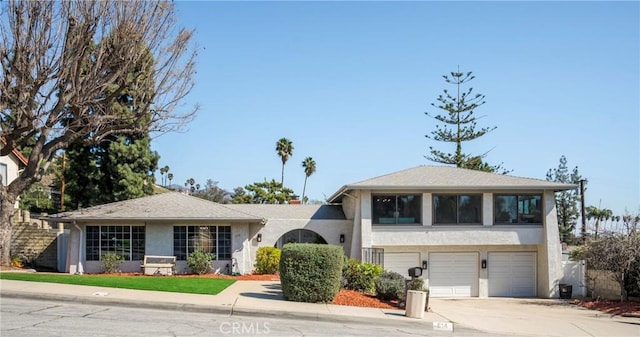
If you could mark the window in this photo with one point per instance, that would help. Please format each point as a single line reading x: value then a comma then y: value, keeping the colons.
x: 451, y: 209
x: 211, y: 239
x: 396, y: 209
x: 525, y: 208
x: 3, y: 174
x: 126, y: 241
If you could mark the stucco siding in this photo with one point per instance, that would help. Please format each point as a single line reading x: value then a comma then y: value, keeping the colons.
x: 459, y: 235
x: 330, y: 230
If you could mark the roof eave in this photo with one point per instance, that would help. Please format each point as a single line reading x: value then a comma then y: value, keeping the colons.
x: 451, y: 188
x: 147, y: 219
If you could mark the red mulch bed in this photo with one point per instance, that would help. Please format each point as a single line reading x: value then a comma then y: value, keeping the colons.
x: 358, y: 299
x: 628, y: 308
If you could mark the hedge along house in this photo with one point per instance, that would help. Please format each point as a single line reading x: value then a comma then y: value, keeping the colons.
x: 174, y: 224
x: 475, y: 234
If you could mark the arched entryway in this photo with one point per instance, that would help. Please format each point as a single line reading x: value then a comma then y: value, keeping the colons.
x: 300, y: 236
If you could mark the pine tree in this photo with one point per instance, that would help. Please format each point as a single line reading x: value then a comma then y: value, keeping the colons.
x: 566, y: 201
x: 459, y: 125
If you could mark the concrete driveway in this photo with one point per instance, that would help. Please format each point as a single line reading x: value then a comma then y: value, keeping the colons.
x: 532, y: 317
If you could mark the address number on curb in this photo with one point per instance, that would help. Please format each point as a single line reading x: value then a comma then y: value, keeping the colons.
x: 443, y: 326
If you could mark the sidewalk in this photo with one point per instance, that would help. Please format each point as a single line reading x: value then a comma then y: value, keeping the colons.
x: 243, y: 298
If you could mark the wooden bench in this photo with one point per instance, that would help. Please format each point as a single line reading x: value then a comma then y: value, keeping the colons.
x: 158, y: 265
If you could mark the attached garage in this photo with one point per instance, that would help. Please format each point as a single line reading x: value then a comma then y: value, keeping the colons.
x: 401, y: 262
x: 453, y: 274
x: 512, y: 274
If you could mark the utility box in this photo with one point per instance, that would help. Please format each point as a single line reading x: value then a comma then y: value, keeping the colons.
x: 416, y: 302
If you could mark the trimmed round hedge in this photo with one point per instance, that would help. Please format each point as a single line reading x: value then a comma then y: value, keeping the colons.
x: 310, y: 272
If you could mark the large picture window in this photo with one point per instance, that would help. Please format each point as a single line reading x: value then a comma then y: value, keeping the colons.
x: 126, y: 241
x: 396, y: 209
x: 450, y: 209
x: 211, y: 239
x: 525, y: 208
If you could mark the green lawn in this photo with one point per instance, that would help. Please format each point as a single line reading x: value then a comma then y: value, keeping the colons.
x: 191, y: 285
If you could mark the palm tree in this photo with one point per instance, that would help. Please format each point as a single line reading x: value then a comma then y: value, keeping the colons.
x: 191, y: 182
x: 163, y: 170
x: 598, y: 215
x: 309, y: 168
x: 284, y: 148
x: 170, y: 177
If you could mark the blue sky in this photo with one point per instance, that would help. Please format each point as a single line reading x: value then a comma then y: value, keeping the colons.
x: 348, y: 83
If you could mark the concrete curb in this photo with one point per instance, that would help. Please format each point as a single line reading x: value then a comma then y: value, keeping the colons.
x: 216, y: 309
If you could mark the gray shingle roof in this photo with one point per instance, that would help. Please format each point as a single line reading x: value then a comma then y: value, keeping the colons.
x: 450, y: 178
x: 165, y: 206
x: 270, y: 211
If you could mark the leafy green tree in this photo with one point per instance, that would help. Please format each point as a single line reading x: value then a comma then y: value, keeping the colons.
x: 211, y: 192
x: 459, y: 125
x: 566, y: 201
x: 268, y: 192
x: 284, y: 148
x: 309, y: 166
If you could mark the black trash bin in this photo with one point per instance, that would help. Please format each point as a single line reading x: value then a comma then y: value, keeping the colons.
x: 565, y: 291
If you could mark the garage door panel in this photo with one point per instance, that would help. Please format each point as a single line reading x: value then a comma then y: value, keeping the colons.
x: 401, y: 262
x: 512, y: 274
x: 453, y: 274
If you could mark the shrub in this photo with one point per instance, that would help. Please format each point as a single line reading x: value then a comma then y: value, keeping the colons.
x: 360, y: 276
x: 415, y: 284
x: 310, y: 272
x: 390, y: 286
x: 267, y: 260
x: 200, y: 261
x: 111, y: 262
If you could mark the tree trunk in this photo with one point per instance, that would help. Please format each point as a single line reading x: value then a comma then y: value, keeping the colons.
x: 6, y: 225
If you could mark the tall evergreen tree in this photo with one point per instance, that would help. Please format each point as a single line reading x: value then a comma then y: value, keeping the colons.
x: 566, y: 201
x: 120, y: 166
x: 459, y: 125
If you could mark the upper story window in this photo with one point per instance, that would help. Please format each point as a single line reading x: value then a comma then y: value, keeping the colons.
x: 522, y: 208
x: 389, y: 209
x: 452, y: 209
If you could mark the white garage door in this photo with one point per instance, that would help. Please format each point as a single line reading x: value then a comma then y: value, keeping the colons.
x: 453, y: 274
x: 512, y: 274
x: 401, y: 262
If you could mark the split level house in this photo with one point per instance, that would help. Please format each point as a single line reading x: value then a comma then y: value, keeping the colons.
x: 474, y: 234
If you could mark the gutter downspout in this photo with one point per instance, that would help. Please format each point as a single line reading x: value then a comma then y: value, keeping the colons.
x: 79, y: 270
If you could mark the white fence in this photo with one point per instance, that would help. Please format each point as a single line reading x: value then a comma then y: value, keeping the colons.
x: 575, y: 274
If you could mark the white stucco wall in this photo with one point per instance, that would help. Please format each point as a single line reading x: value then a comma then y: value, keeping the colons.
x: 487, y: 237
x: 13, y: 168
x: 550, y: 252
x: 463, y: 235
x: 330, y: 230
